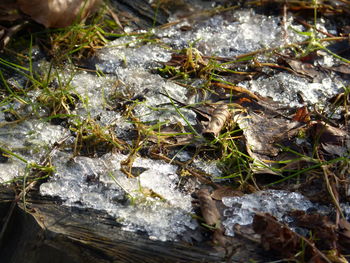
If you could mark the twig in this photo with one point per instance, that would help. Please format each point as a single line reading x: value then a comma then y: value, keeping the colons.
x: 304, y: 23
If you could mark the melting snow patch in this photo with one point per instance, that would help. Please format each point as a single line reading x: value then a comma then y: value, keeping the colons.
x: 209, y: 167
x: 245, y: 32
x: 99, y: 184
x: 286, y: 88
x: 30, y: 139
x: 241, y: 210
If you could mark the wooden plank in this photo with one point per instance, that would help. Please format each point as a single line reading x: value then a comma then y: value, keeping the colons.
x: 102, y: 238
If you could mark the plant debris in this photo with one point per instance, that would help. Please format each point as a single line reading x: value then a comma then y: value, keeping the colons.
x: 278, y: 237
x: 212, y: 217
x: 242, y: 106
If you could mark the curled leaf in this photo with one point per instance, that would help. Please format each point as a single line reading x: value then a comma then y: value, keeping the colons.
x: 217, y: 121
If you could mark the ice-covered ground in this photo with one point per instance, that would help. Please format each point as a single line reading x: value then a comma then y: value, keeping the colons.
x: 150, y: 202
x: 241, y: 210
x: 160, y: 208
x: 278, y: 203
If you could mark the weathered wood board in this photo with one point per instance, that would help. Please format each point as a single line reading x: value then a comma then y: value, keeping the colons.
x: 86, y: 235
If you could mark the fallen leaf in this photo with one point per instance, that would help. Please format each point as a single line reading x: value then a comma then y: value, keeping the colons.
x: 57, y: 13
x: 306, y: 69
x: 344, y: 235
x: 275, y: 236
x: 209, y: 210
x: 342, y: 68
x: 218, y: 119
x: 279, y: 238
x: 224, y: 191
x: 302, y: 115
x: 327, y: 134
x: 212, y: 217
x: 323, y: 230
x: 335, y: 150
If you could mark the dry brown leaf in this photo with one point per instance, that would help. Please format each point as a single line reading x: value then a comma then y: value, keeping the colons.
x: 278, y: 237
x: 218, y: 119
x: 334, y: 141
x: 212, y: 217
x: 57, y: 13
x: 223, y: 191
x: 275, y: 236
x: 306, y: 69
x: 209, y: 210
x: 344, y: 235
x: 326, y: 235
x: 302, y: 115
x: 322, y: 228
x: 334, y: 150
x: 263, y: 133
x: 342, y: 68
